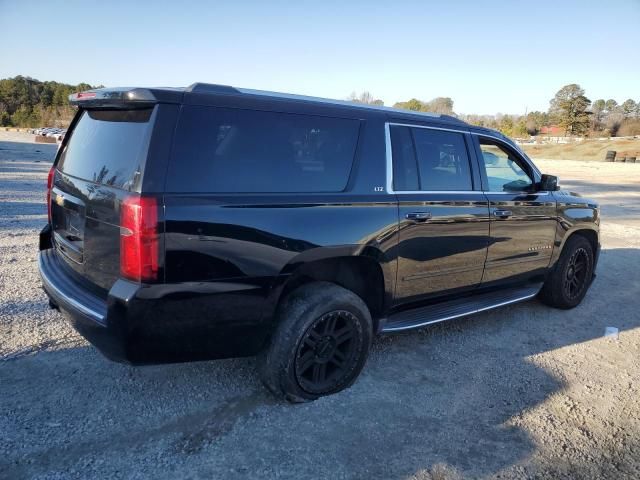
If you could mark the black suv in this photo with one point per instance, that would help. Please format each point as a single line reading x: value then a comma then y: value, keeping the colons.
x: 213, y: 222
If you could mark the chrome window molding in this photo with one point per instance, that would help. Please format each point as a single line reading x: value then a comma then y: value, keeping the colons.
x: 414, y: 192
x: 387, y: 141
x: 489, y: 192
x: 389, y: 155
x: 426, y: 127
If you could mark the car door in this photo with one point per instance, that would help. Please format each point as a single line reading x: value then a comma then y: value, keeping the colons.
x: 443, y: 214
x: 523, y: 220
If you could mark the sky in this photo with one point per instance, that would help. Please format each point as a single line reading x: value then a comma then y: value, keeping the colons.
x: 489, y: 56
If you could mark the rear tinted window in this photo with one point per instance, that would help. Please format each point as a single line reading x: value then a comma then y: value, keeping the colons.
x: 405, y: 167
x: 108, y: 147
x: 442, y: 160
x: 429, y: 160
x: 242, y: 151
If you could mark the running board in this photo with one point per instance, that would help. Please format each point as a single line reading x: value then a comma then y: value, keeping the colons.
x: 460, y: 307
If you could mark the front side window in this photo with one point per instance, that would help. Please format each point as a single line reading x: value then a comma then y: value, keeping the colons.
x: 505, y: 172
x: 224, y: 150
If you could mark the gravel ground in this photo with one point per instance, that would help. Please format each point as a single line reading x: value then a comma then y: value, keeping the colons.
x: 521, y: 392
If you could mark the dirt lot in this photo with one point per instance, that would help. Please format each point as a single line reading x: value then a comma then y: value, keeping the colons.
x: 521, y: 392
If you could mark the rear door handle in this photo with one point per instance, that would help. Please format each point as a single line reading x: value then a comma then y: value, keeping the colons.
x: 502, y: 213
x: 418, y: 216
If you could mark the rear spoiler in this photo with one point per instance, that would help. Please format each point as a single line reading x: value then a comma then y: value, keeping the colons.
x: 123, y: 97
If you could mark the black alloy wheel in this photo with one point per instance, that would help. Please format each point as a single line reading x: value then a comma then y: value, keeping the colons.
x: 568, y: 281
x: 327, y: 352
x: 575, y: 278
x: 320, y: 344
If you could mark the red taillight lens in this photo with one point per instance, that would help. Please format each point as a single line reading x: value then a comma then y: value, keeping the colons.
x: 83, y: 95
x: 49, y: 187
x: 139, y: 244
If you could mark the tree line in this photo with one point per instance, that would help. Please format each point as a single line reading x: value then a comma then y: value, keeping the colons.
x: 570, y: 112
x: 27, y: 102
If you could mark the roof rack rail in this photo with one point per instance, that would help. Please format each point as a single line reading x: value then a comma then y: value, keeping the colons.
x: 212, y: 88
x: 451, y: 117
x: 199, y: 87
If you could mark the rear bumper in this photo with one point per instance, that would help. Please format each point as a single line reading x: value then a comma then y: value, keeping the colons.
x: 86, y: 311
x: 144, y: 324
x: 66, y: 294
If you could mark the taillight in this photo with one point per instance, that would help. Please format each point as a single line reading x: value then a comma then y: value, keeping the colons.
x: 49, y: 187
x: 84, y: 95
x: 139, y: 244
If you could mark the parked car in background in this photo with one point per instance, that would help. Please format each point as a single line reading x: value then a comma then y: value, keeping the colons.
x: 50, y: 132
x: 55, y: 132
x: 213, y: 222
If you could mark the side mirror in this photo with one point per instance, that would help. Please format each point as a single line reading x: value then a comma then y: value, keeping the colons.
x: 548, y: 183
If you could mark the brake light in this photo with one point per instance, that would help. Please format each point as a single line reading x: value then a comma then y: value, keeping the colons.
x: 49, y: 187
x: 85, y: 95
x: 139, y: 243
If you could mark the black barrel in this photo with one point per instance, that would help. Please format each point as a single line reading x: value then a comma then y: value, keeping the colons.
x: 611, y: 156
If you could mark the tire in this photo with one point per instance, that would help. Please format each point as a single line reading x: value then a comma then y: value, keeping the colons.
x: 569, y: 281
x: 323, y: 331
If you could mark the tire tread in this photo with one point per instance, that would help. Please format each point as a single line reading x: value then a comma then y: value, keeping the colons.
x: 294, y: 314
x: 552, y: 291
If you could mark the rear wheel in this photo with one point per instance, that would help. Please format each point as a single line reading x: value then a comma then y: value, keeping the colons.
x: 320, y: 345
x: 568, y: 283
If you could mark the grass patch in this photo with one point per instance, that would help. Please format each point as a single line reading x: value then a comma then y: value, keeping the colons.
x: 587, y: 150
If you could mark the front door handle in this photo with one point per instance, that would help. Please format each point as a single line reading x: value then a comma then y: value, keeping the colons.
x: 502, y: 213
x: 418, y: 216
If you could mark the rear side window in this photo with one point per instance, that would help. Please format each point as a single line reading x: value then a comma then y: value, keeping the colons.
x: 226, y: 150
x: 442, y: 160
x: 429, y: 160
x: 108, y: 147
x: 405, y: 168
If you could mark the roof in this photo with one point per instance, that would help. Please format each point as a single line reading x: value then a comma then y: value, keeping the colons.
x: 144, y: 96
x: 228, y: 90
x: 123, y: 96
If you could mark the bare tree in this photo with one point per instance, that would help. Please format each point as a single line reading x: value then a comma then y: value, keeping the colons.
x: 364, y: 97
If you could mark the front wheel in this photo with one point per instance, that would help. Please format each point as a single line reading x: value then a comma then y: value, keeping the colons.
x: 569, y: 281
x: 320, y: 345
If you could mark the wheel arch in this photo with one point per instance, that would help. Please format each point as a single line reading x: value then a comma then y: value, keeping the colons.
x: 364, y: 271
x: 588, y: 232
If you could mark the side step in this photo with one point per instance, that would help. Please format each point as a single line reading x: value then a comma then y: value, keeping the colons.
x: 460, y: 307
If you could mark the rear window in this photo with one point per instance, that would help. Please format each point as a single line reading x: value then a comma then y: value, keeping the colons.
x: 226, y: 150
x: 108, y: 147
